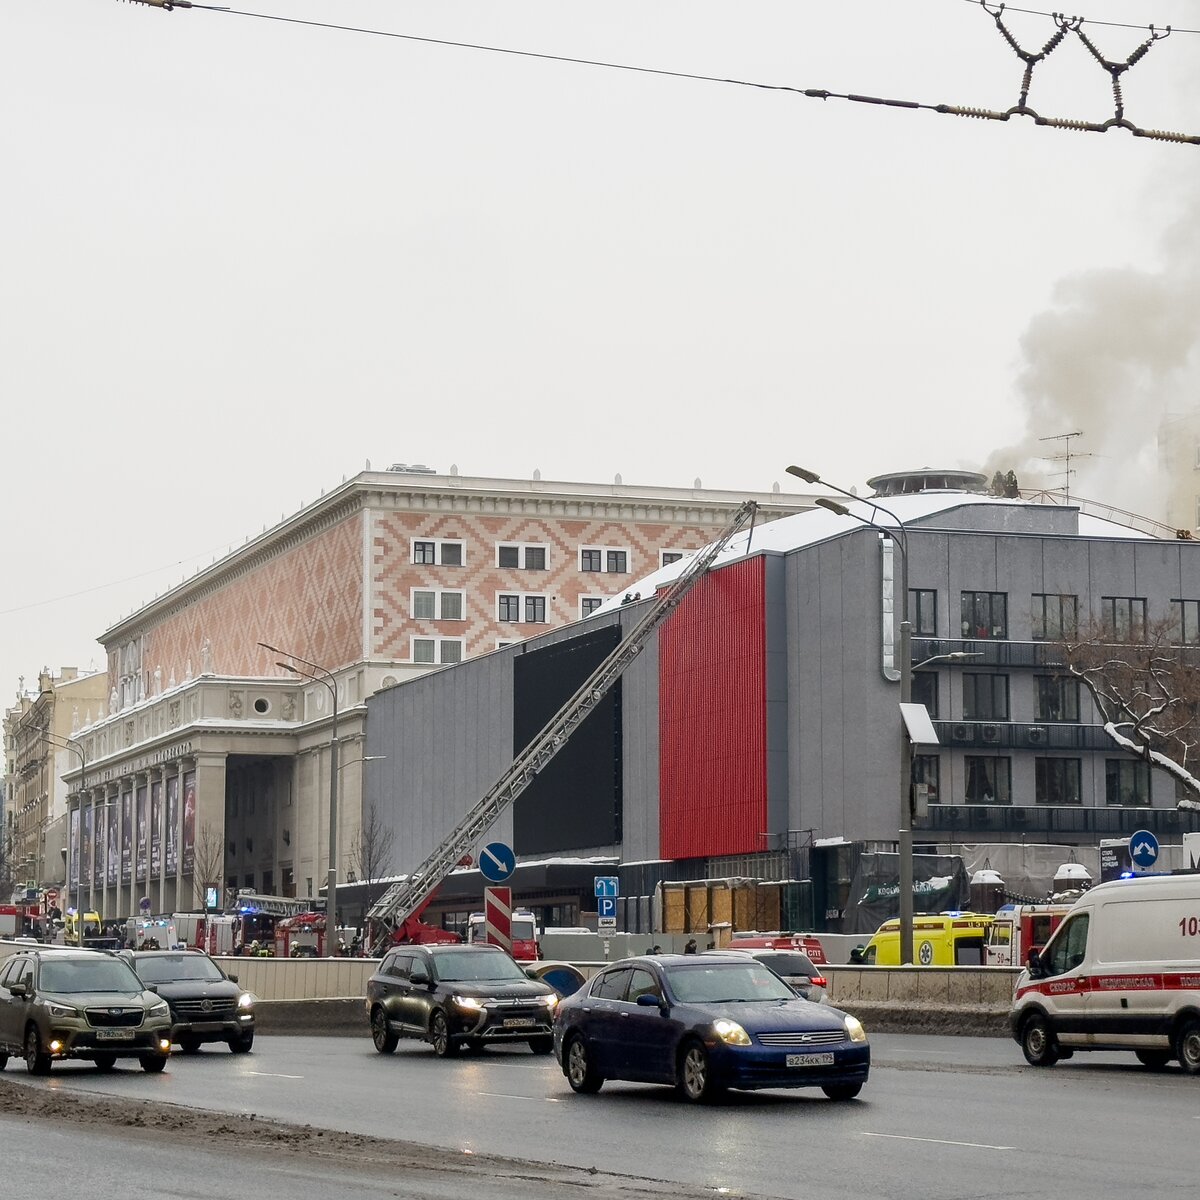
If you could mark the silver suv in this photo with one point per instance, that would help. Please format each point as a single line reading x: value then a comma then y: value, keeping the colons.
x: 86, y: 1004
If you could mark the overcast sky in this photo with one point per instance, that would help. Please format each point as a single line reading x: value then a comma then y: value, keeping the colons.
x: 241, y: 257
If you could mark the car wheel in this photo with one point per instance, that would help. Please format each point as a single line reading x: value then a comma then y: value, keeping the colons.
x: 581, y: 1075
x: 153, y: 1063
x: 1038, y: 1044
x: 542, y: 1045
x: 3, y: 1060
x: 241, y: 1045
x: 695, y: 1077
x: 1187, y: 1047
x: 189, y: 1045
x: 842, y: 1091
x: 1154, y: 1059
x: 105, y: 1062
x: 37, y: 1062
x: 385, y: 1040
x: 444, y: 1046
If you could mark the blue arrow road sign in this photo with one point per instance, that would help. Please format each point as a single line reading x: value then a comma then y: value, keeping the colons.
x: 607, y: 885
x: 1143, y: 849
x: 497, y: 862
x: 606, y: 906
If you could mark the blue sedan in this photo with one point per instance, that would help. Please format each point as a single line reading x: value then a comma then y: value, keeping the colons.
x: 706, y: 1023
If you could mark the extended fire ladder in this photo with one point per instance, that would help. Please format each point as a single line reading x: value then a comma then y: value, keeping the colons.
x: 406, y: 897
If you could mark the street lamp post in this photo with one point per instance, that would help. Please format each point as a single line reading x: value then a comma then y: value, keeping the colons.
x: 324, y: 676
x: 73, y: 747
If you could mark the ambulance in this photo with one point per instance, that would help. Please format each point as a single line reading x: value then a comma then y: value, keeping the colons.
x: 1122, y: 972
x: 953, y: 939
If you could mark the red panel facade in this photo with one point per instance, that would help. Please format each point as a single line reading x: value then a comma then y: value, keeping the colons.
x: 712, y: 717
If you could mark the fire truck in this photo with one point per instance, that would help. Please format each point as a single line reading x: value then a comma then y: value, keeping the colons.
x: 524, y: 934
x: 1019, y: 928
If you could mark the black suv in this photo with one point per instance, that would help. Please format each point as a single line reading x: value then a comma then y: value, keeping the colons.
x: 79, y: 1004
x: 454, y: 996
x: 206, y: 1004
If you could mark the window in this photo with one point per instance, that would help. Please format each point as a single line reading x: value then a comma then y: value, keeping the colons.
x: 535, y: 610
x: 667, y: 557
x: 502, y: 642
x: 1056, y: 781
x: 1068, y: 946
x: 522, y: 556
x: 589, y: 560
x: 985, y: 614
x: 612, y: 985
x: 1056, y: 698
x: 441, y: 553
x: 1124, y: 617
x: 511, y: 607
x: 612, y: 559
x: 589, y: 604
x: 437, y: 650
x: 989, y: 780
x: 1127, y: 782
x: 1185, y: 616
x: 508, y: 608
x: 922, y: 611
x: 642, y: 983
x: 432, y: 604
x: 617, y: 562
x: 926, y: 769
x: 1054, y: 617
x: 925, y: 690
x: 985, y: 697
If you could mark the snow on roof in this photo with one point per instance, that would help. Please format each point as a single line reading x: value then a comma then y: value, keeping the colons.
x: 819, y: 525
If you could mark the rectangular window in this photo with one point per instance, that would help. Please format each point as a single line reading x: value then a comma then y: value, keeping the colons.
x: 1054, y: 616
x: 424, y: 552
x: 452, y: 554
x: 424, y: 650
x: 535, y: 610
x: 588, y: 605
x: 927, y: 770
x: 437, y: 650
x: 1185, y: 616
x: 535, y: 558
x: 589, y: 560
x: 440, y: 553
x: 667, y: 557
x: 1056, y: 781
x: 508, y: 608
x: 617, y: 562
x: 985, y: 614
x: 989, y: 779
x: 434, y: 605
x: 925, y: 691
x: 450, y: 650
x: 922, y: 611
x: 985, y: 697
x: 452, y: 606
x: 1056, y: 698
x: 1124, y: 617
x: 508, y: 556
x: 521, y: 556
x: 424, y: 605
x: 1126, y: 782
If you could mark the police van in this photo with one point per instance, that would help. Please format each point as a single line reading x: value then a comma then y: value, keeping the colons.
x: 1122, y: 972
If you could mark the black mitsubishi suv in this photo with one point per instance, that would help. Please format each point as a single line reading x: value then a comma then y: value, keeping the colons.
x: 454, y: 996
x: 88, y: 1004
x: 206, y: 1004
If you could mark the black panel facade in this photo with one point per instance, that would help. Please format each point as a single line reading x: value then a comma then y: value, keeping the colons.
x: 575, y: 803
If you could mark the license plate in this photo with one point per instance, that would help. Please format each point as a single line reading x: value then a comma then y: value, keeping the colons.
x: 517, y: 1022
x: 810, y: 1060
x: 114, y: 1035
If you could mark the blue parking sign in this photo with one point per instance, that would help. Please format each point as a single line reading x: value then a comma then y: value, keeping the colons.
x: 606, y: 906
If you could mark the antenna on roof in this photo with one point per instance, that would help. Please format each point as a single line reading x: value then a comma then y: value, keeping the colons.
x: 1065, y: 457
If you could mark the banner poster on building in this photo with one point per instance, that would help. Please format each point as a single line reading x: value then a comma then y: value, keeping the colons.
x: 98, y: 873
x: 172, y: 835
x: 143, y: 839
x: 86, y: 852
x: 156, y: 829
x: 73, y: 840
x: 126, y: 837
x: 113, y: 861
x: 189, y: 822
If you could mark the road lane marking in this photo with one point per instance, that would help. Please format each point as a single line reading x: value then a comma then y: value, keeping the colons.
x: 506, y: 1096
x: 274, y: 1075
x: 900, y: 1137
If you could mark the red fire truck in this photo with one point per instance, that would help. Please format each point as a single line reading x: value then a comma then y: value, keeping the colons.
x: 1019, y: 928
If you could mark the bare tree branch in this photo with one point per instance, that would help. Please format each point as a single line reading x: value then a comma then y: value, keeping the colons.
x: 371, y: 850
x: 209, y: 865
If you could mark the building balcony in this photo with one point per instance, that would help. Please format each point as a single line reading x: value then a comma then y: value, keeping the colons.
x: 988, y: 652
x: 959, y: 819
x: 1017, y: 735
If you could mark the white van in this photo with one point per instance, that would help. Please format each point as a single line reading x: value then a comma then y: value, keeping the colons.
x: 1122, y: 972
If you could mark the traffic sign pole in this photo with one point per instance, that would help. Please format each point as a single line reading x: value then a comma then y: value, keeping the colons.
x: 497, y: 916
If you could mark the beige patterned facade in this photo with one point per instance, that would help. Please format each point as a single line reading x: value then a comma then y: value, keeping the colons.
x: 196, y: 708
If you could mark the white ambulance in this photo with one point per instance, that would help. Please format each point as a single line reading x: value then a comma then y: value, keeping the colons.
x: 1122, y: 972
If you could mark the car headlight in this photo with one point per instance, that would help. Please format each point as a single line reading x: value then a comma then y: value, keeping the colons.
x: 468, y: 1002
x: 60, y: 1010
x: 731, y: 1033
x: 549, y: 1001
x: 161, y: 1009
x: 855, y: 1029
x: 245, y: 1000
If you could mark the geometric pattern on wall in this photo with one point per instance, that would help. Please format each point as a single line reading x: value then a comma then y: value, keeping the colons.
x: 562, y: 583
x: 307, y: 599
